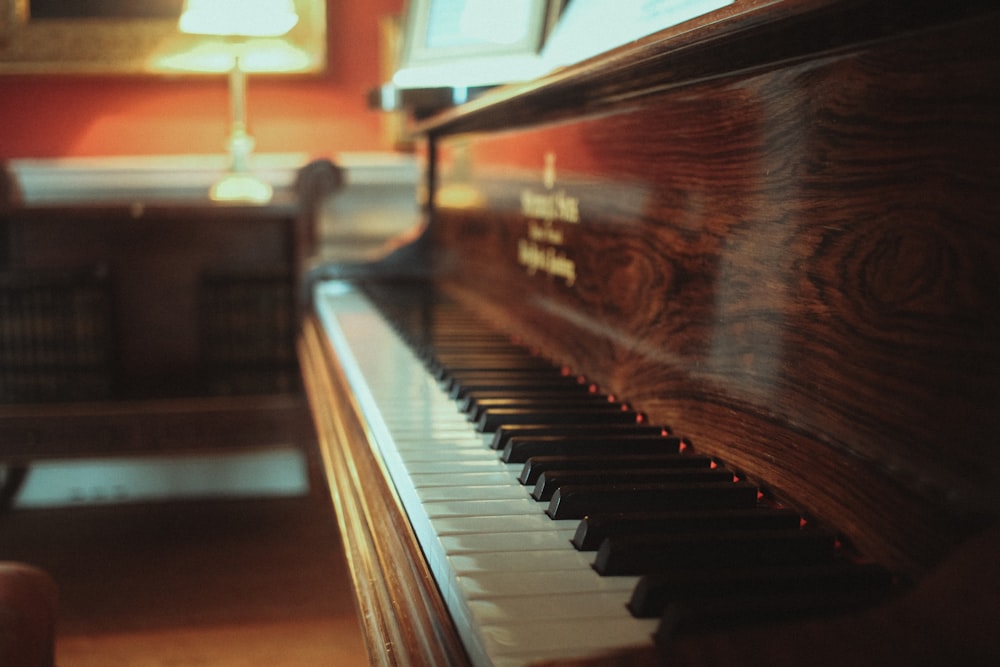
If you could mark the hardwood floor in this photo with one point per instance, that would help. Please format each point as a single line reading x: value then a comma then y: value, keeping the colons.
x: 226, y: 583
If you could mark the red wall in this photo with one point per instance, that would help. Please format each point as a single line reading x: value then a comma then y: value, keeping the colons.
x: 51, y: 116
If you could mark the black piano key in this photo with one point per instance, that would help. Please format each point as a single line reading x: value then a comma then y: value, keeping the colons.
x: 461, y: 331
x: 440, y: 357
x: 541, y: 403
x: 493, y: 364
x: 486, y: 356
x: 458, y: 390
x: 609, y: 460
x: 502, y: 435
x: 476, y: 367
x: 650, y: 552
x: 699, y: 615
x: 453, y: 379
x: 606, y: 414
x: 571, y: 399
x: 520, y: 449
x: 473, y: 399
x: 655, y: 592
x: 551, y: 480
x: 456, y: 339
x: 576, y: 502
x: 594, y: 529
x: 496, y: 366
x: 466, y: 347
x: 464, y: 367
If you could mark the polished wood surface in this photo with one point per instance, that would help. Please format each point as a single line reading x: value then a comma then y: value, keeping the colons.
x: 774, y: 229
x: 796, y: 268
x: 737, y: 39
x: 401, y: 609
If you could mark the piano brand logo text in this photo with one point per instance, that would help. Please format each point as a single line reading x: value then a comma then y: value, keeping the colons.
x: 545, y: 233
x: 547, y: 259
x: 550, y: 206
x: 540, y: 251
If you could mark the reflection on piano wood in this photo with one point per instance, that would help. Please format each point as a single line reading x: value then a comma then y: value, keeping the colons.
x: 745, y: 275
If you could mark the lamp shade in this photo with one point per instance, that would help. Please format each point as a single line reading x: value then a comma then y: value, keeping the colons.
x: 238, y: 18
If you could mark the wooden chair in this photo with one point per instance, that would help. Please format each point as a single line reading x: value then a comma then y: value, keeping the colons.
x: 28, y: 601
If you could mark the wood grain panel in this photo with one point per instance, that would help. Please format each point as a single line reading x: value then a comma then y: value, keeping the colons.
x: 797, y: 268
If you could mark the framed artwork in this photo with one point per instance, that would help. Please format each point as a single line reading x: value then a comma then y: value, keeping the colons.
x: 117, y: 36
x: 471, y: 42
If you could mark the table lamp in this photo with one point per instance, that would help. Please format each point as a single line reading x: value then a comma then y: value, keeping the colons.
x: 238, y: 21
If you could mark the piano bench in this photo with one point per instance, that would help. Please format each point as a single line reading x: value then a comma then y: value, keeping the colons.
x: 28, y: 600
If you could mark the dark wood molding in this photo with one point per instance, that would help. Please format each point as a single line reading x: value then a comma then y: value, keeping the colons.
x: 401, y: 609
x: 753, y: 35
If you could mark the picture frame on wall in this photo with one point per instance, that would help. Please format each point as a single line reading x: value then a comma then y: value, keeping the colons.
x: 472, y: 43
x: 112, y: 37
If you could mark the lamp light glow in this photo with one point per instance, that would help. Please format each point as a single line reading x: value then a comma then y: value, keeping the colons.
x: 241, y: 187
x: 239, y: 21
x: 238, y: 18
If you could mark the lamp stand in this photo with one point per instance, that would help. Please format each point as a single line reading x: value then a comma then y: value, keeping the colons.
x: 239, y: 184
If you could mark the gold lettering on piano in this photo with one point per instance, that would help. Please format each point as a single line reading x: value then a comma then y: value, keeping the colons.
x: 545, y: 233
x: 550, y: 206
x: 540, y: 251
x: 547, y: 259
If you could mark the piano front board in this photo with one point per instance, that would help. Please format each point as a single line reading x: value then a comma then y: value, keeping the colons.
x: 795, y: 264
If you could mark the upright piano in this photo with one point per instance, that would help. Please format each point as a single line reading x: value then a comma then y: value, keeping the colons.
x: 695, y: 358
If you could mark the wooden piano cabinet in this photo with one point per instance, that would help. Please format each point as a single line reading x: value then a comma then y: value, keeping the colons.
x: 402, y: 612
x: 156, y: 326
x: 793, y: 262
x: 773, y: 230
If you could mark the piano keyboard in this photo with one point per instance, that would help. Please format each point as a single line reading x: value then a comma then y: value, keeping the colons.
x: 557, y: 523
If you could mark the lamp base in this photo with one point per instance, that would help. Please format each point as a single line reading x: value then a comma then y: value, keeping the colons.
x: 241, y: 187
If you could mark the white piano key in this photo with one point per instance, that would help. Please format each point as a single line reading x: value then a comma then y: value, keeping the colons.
x: 430, y: 401
x: 471, y: 478
x: 479, y: 508
x: 506, y: 609
x: 430, y: 494
x: 437, y: 451
x: 433, y: 435
x: 461, y: 458
x: 471, y: 465
x: 507, y: 541
x: 491, y: 585
x: 548, y: 560
x: 570, y: 636
x: 531, y: 658
x: 499, y: 524
x: 421, y: 433
x: 474, y: 545
x: 429, y: 439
